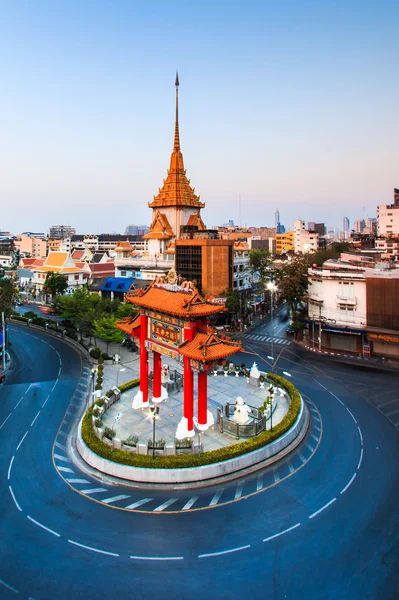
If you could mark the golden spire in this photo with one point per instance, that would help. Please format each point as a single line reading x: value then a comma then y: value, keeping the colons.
x: 176, y: 189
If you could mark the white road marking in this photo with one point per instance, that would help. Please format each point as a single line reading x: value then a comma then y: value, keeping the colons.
x: 309, y: 447
x: 316, y: 439
x: 360, y: 459
x: 351, y: 414
x: 336, y: 397
x: 59, y: 372
x: 216, y: 497
x: 52, y: 389
x: 239, y: 489
x: 360, y: 433
x: 94, y: 491
x: 65, y: 469
x: 162, y: 507
x: 93, y: 549
x: 259, y: 483
x: 291, y: 468
x: 19, y: 445
x: 322, y: 508
x: 5, y: 421
x: 224, y: 551
x: 60, y: 446
x: 317, y: 427
x: 157, y: 557
x: 28, y: 389
x: 18, y: 403
x: 324, y: 388
x: 9, y: 587
x: 35, y: 418
x: 287, y: 374
x: 190, y: 503
x: 63, y: 434
x: 43, y: 526
x: 348, y: 484
x: 13, y: 497
x: 281, y: 532
x: 115, y: 499
x: 44, y: 403
x: 9, y: 468
x: 139, y: 503
x: 301, y: 456
x: 64, y: 458
x: 77, y: 481
x: 276, y: 475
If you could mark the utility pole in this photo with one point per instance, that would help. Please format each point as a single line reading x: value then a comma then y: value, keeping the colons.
x: 3, y: 321
x: 319, y: 327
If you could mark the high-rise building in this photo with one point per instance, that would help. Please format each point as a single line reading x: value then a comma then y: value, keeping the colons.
x: 346, y: 225
x: 388, y: 216
x: 136, y: 229
x: 59, y: 232
x: 359, y: 225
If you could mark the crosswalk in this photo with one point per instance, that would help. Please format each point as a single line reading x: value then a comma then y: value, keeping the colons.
x: 267, y: 339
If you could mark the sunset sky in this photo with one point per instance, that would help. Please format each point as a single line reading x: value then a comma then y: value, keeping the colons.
x: 290, y: 105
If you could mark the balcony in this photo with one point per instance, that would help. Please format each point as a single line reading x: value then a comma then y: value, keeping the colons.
x: 341, y: 299
x: 315, y: 297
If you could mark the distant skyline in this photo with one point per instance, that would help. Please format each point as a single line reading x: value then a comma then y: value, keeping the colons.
x: 290, y: 106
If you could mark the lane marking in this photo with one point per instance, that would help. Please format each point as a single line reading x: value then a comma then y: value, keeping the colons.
x: 52, y: 389
x: 44, y: 403
x: 360, y: 433
x: 28, y: 389
x: 162, y: 507
x: 351, y: 414
x: 157, y: 557
x: 63, y: 434
x: 322, y: 508
x: 224, y: 551
x: 65, y: 469
x: 348, y: 484
x: 5, y: 421
x: 360, y: 459
x: 35, y: 418
x: 276, y: 476
x: 115, y: 498
x: 291, y: 468
x: 19, y: 445
x: 9, y: 587
x: 18, y: 403
x: 312, y: 435
x: 94, y: 491
x: 64, y: 458
x: 216, y: 497
x: 336, y: 397
x: 15, y: 500
x: 61, y: 446
x: 139, y: 503
x: 271, y: 537
x: 317, y: 427
x: 93, y: 549
x: 309, y: 447
x: 43, y: 526
x: 9, y: 468
x: 324, y: 388
x: 259, y: 483
x: 77, y: 481
x: 301, y: 456
x: 59, y: 372
x: 239, y: 489
x: 190, y: 503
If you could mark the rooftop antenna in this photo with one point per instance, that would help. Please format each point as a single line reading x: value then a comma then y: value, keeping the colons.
x: 239, y: 209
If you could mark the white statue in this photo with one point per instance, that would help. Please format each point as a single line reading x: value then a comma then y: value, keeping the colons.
x: 254, y: 371
x: 241, y: 413
x: 165, y: 374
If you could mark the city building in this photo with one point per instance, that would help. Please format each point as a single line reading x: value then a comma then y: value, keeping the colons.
x: 388, y: 217
x: 105, y: 242
x: 359, y: 225
x: 137, y: 230
x: 285, y: 242
x: 352, y: 301
x: 62, y: 263
x: 389, y: 247
x: 60, y: 232
x: 30, y: 246
x: 304, y: 241
x: 346, y: 224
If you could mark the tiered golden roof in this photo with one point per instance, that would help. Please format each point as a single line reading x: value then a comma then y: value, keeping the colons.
x: 176, y: 189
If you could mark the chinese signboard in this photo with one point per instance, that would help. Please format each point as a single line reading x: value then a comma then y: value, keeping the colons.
x: 166, y: 333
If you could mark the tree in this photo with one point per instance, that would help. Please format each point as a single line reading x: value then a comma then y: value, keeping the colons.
x: 8, y: 296
x: 292, y: 281
x: 105, y: 329
x: 55, y: 284
x: 260, y: 262
x: 126, y: 310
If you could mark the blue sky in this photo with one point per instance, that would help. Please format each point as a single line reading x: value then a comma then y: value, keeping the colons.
x: 292, y: 105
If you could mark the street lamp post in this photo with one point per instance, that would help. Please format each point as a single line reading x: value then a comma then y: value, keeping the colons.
x: 270, y: 389
x: 93, y: 376
x: 117, y: 375
x: 154, y: 414
x: 271, y: 286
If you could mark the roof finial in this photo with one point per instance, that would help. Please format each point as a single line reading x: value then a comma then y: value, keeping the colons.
x: 177, y: 140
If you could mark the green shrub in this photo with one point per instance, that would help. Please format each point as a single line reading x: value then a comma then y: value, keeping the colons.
x: 98, y: 422
x: 100, y: 402
x: 186, y: 443
x: 181, y: 461
x: 109, y: 393
x: 109, y: 433
x: 131, y: 440
x: 95, y: 352
x: 105, y: 356
x: 159, y: 444
x: 128, y: 385
x: 96, y: 411
x: 98, y: 386
x: 101, y: 359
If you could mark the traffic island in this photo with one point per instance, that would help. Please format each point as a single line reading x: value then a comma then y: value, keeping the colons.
x: 113, y: 458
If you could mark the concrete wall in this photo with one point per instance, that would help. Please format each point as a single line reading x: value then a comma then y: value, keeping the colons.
x: 194, y: 474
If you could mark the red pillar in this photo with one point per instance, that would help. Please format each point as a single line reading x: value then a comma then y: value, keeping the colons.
x: 188, y: 386
x: 156, y: 384
x: 202, y: 398
x: 143, y: 358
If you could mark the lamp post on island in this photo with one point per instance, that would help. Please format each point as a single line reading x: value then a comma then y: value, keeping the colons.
x: 271, y: 286
x: 154, y: 414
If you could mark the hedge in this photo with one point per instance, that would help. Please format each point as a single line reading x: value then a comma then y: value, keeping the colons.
x: 191, y: 460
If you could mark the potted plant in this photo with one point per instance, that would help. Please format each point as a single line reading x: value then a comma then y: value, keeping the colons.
x: 262, y: 380
x: 237, y: 370
x: 226, y: 369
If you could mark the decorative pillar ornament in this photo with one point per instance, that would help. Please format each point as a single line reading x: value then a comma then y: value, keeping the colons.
x: 140, y: 400
x: 158, y: 391
x: 205, y: 417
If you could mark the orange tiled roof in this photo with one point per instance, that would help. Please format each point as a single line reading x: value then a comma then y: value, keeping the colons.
x: 77, y: 254
x: 160, y: 228
x: 129, y: 325
x: 56, y: 259
x: 123, y: 246
x: 197, y: 221
x: 207, y: 346
x: 180, y: 303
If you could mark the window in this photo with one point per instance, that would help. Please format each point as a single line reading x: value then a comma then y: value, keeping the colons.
x: 76, y: 277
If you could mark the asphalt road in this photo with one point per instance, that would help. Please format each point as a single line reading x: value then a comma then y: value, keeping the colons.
x: 322, y: 525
